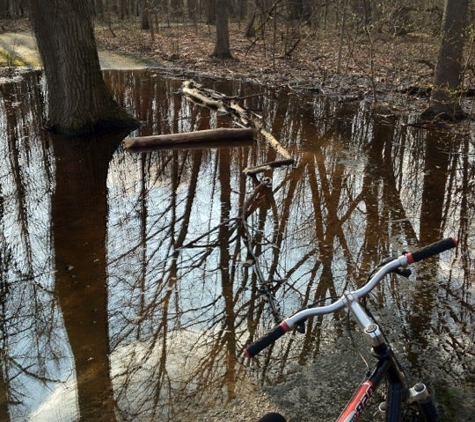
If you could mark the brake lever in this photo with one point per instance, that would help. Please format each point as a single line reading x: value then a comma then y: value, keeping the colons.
x: 301, y: 327
x: 405, y: 272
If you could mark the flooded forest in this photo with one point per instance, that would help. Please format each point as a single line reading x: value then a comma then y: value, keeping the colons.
x: 132, y: 280
x: 130, y: 283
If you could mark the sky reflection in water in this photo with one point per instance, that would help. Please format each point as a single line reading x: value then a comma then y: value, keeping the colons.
x: 127, y: 292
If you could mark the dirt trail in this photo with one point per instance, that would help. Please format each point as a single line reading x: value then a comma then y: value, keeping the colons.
x: 19, y: 49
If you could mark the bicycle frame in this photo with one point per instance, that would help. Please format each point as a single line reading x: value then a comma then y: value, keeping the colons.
x: 387, y: 367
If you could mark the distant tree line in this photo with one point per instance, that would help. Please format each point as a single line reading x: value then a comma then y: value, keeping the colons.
x: 69, y: 40
x: 396, y: 16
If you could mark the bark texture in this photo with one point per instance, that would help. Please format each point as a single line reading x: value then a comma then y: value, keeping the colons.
x: 222, y: 50
x: 445, y: 98
x: 78, y: 99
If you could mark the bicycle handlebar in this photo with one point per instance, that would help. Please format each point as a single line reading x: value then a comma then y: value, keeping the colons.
x: 402, y: 261
x: 265, y: 341
x: 431, y: 250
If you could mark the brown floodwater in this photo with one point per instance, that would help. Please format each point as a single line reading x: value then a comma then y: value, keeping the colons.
x: 131, y: 281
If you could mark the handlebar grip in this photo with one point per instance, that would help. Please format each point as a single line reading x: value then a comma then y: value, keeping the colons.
x: 434, y: 249
x: 259, y: 345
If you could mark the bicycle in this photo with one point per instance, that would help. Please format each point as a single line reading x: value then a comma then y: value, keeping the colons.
x: 399, y: 396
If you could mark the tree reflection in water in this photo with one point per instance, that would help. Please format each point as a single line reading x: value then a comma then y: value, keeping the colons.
x: 184, y: 272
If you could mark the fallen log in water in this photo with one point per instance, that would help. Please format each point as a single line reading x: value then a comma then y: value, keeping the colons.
x: 193, y: 146
x: 217, y: 101
x: 220, y: 135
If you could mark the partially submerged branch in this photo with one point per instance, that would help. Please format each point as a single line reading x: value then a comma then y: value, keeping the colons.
x: 220, y: 135
x: 267, y: 166
x: 203, y: 96
x: 243, y: 117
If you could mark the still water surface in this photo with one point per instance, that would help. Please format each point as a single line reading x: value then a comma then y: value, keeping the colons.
x: 129, y: 283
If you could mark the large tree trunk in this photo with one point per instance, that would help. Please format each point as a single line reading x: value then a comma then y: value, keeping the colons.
x: 78, y: 99
x: 445, y: 95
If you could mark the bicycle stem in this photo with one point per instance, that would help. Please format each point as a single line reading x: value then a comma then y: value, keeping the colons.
x: 348, y: 298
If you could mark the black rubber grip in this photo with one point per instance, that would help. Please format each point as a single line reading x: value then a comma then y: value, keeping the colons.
x: 434, y: 249
x: 259, y: 345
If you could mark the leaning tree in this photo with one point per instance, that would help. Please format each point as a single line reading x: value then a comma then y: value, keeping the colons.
x: 79, y: 101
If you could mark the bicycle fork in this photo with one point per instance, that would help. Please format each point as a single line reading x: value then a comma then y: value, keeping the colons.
x: 387, y: 367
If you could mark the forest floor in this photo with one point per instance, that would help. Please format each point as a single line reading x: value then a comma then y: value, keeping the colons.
x: 396, y: 71
x: 388, y: 68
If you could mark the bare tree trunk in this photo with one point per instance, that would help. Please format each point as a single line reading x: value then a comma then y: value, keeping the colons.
x: 99, y: 9
x: 4, y: 9
x: 78, y: 99
x: 210, y: 12
x: 342, y: 36
x: 445, y: 95
x: 145, y: 15
x: 221, y: 50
